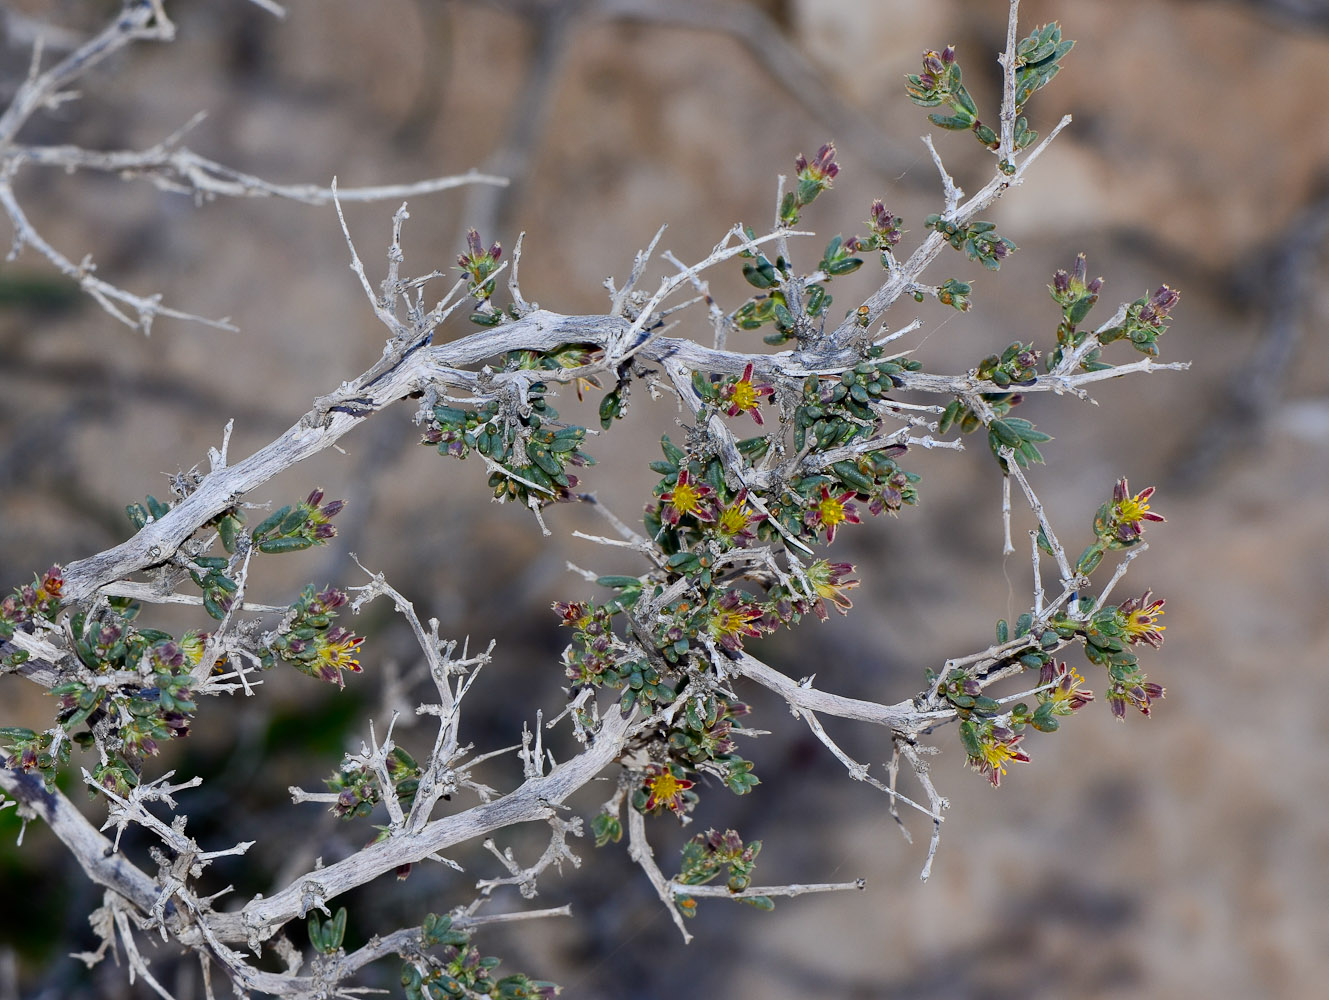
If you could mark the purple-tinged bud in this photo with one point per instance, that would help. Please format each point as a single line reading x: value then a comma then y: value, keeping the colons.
x: 1081, y: 268
x: 331, y: 598
x: 948, y: 55
x: 496, y: 251
x: 933, y: 64
x: 824, y: 165
x: 1095, y: 287
x: 800, y: 163
x: 315, y: 498
x: 333, y: 507
x: 1061, y: 283
x: 1163, y: 300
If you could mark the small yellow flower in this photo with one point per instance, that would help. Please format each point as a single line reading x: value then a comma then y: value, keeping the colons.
x: 688, y: 498
x: 665, y: 788
x: 1139, y: 619
x: 337, y: 651
x: 1133, y: 508
x: 745, y: 396
x: 736, y: 521
x: 1067, y: 694
x: 830, y: 512
x: 996, y: 747
x: 996, y: 756
x: 734, y: 618
x: 192, y: 644
x: 1129, y: 512
x: 829, y: 582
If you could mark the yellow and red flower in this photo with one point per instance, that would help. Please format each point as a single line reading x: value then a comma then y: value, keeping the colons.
x: 665, y: 787
x: 830, y: 512
x: 1138, y: 618
x: 744, y: 395
x: 337, y: 650
x: 734, y: 618
x: 829, y: 583
x: 737, y: 522
x: 696, y: 500
x: 1066, y: 693
x: 1129, y: 512
x: 997, y: 747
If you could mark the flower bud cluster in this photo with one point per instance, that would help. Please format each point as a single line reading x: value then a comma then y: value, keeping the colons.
x: 478, y: 264
x: 358, y: 788
x: 528, y: 449
x: 461, y: 970
x: 39, y: 599
x: 1145, y: 321
x: 709, y: 854
x: 300, y: 526
x: 980, y: 241
x: 311, y: 643
x: 1076, y: 295
x: 814, y: 177
x: 941, y: 83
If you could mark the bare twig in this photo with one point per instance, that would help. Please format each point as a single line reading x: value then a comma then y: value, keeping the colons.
x: 640, y: 850
x: 181, y: 170
x: 1006, y: 150
x: 794, y: 889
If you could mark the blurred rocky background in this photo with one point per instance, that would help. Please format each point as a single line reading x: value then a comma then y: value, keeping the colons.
x: 1187, y: 855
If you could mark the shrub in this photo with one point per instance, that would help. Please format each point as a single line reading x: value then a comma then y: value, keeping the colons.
x: 782, y: 450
